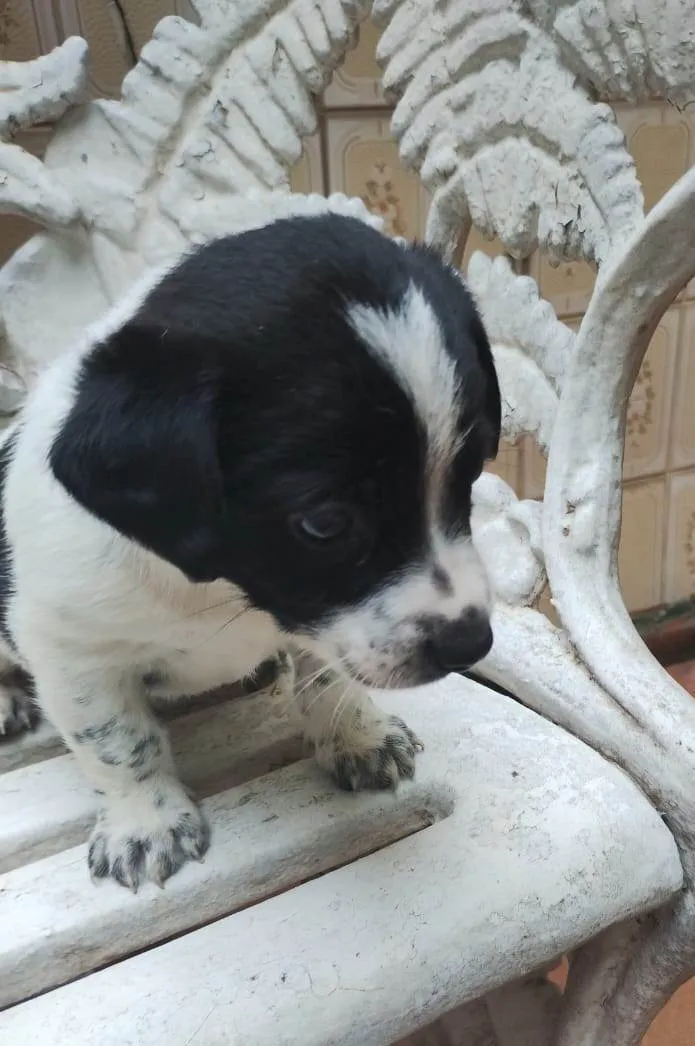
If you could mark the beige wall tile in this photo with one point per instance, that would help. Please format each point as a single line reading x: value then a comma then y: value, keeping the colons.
x: 307, y: 174
x: 649, y: 415
x: 683, y: 419
x: 545, y: 605
x: 533, y: 466
x: 679, y: 573
x: 358, y: 81
x: 363, y: 161
x: 19, y: 31
x: 641, y: 544
x: 99, y: 24
x: 533, y: 463
x: 507, y: 465
x: 142, y: 16
x: 32, y: 27
x: 660, y: 139
x: 661, y: 155
x: 185, y: 9
x: 47, y: 23
x: 568, y: 287
x: 14, y: 231
x: 477, y: 242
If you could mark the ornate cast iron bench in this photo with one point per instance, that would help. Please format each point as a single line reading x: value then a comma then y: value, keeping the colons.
x: 559, y: 823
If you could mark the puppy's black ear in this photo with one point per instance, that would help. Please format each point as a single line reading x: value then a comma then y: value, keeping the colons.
x: 139, y: 448
x: 493, y: 400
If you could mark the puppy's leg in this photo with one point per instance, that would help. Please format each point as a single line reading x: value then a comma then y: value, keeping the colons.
x: 18, y: 711
x: 360, y: 746
x: 147, y: 826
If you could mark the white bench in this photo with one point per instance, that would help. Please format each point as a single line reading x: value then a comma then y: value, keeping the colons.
x: 321, y: 917
x: 567, y: 826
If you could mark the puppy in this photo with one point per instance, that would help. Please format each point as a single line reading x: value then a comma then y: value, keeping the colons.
x: 269, y: 447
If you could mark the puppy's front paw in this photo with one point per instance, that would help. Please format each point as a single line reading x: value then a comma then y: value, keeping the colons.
x: 17, y: 710
x: 142, y: 839
x: 376, y: 753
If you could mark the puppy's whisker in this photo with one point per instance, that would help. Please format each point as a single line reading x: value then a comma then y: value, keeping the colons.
x: 332, y: 682
x: 338, y: 713
x: 391, y: 678
x: 330, y: 730
x: 308, y: 682
x: 218, y: 631
x: 326, y: 668
x: 212, y: 606
x: 317, y: 697
x: 333, y: 669
x: 342, y: 704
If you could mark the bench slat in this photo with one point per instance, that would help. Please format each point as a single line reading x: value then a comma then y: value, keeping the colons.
x: 45, y: 742
x: 528, y: 814
x: 42, y: 743
x: 268, y: 835
x: 48, y: 806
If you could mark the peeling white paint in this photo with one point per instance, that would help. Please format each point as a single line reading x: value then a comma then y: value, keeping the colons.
x: 547, y: 846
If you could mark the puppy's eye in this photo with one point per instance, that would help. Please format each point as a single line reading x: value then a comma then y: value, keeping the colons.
x: 324, y: 524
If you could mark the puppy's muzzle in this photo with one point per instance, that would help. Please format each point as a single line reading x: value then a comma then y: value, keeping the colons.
x: 454, y: 646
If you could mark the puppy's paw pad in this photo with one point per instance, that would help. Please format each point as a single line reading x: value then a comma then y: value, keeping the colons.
x: 18, y: 713
x: 377, y: 758
x: 150, y: 845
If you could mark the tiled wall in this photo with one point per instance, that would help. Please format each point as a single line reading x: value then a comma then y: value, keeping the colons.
x: 353, y: 152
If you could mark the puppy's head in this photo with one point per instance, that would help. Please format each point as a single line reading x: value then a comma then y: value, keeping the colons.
x: 302, y: 410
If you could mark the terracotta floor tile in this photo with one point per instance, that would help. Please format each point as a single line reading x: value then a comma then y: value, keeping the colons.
x: 671, y: 636
x: 684, y: 673
x: 675, y: 1025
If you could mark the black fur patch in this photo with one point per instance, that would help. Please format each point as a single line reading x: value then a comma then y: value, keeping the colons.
x: 238, y: 402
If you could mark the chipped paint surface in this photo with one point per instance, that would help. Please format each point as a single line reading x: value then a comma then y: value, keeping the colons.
x: 211, y: 118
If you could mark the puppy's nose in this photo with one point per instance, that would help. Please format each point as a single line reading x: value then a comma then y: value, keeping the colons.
x: 456, y: 645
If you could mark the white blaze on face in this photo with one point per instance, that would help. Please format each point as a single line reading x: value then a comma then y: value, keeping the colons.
x: 409, y: 341
x: 379, y: 639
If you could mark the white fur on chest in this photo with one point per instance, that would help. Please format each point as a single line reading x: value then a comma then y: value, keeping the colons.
x: 208, y: 647
x: 129, y: 612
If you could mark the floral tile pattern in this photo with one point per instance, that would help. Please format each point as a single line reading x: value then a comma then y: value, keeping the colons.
x: 363, y: 161
x: 679, y: 572
x: 641, y: 545
x: 682, y: 427
x: 649, y: 414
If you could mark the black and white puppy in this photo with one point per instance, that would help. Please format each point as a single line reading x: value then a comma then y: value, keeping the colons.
x: 271, y: 446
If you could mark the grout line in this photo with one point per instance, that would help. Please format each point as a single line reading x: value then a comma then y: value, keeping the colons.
x: 649, y: 477
x: 680, y: 351
x: 118, y: 10
x: 355, y: 111
x: 324, y: 158
x: 665, y: 573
